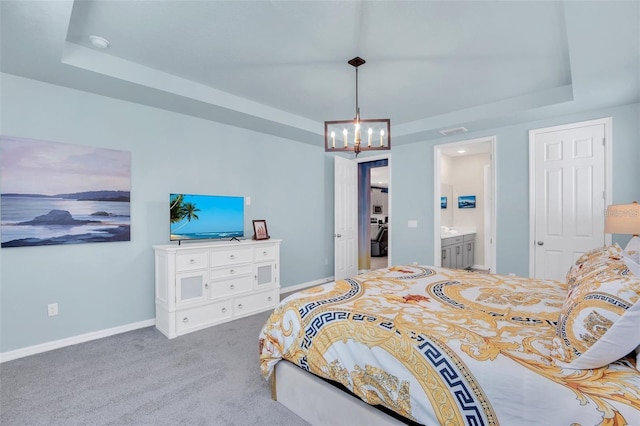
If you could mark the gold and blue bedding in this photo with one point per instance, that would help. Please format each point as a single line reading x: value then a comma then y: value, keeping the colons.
x: 447, y: 347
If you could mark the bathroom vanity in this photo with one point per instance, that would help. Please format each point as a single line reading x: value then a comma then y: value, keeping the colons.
x: 458, y: 248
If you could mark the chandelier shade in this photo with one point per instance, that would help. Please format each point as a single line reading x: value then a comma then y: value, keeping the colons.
x: 357, y: 135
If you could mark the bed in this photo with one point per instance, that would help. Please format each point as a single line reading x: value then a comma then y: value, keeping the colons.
x: 437, y: 346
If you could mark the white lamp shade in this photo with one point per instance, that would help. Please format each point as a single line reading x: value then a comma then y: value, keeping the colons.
x: 622, y: 219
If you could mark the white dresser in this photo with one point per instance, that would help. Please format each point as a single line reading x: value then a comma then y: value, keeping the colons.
x: 202, y: 284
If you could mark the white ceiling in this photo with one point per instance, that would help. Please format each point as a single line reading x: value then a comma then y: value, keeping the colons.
x: 280, y: 67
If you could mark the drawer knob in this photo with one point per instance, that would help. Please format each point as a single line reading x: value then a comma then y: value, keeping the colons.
x: 232, y: 271
x: 185, y: 320
x: 206, y: 286
x: 239, y: 305
x: 232, y: 256
x: 269, y: 298
x: 264, y: 253
x: 224, y: 310
x: 192, y: 261
x: 232, y: 286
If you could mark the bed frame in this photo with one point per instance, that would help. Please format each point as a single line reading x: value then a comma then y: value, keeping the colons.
x: 321, y: 403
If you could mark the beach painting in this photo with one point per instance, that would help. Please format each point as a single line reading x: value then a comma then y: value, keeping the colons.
x: 56, y: 193
x: 467, y: 202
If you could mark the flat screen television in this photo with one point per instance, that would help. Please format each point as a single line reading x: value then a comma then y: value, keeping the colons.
x: 196, y: 217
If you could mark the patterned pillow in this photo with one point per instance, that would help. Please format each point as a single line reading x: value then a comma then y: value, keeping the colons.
x: 638, y: 358
x: 596, y: 261
x: 598, y: 323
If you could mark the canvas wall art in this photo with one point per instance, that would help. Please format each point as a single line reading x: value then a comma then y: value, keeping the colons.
x: 467, y: 202
x: 57, y: 193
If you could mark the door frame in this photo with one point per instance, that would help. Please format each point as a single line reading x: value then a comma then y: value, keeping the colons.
x: 437, y: 150
x: 608, y: 182
x: 367, y: 159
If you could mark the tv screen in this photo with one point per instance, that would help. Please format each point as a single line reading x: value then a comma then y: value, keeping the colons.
x: 195, y: 217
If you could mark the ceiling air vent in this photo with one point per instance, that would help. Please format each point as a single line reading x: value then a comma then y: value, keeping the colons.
x: 454, y: 131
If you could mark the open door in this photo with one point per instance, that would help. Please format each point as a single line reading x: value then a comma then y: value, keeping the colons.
x: 475, y: 175
x: 345, y: 218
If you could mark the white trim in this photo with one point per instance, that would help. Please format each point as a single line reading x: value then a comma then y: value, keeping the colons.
x: 95, y: 335
x: 437, y: 151
x: 608, y: 180
x: 57, y: 344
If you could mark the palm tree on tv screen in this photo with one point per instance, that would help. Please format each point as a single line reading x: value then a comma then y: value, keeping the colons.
x: 181, y: 210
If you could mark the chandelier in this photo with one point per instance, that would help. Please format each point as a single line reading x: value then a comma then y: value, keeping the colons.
x: 347, y: 135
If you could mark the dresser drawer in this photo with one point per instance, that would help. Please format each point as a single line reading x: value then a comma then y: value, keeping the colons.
x: 255, y: 302
x: 230, y: 256
x: 266, y: 252
x: 230, y: 271
x: 192, y: 259
x: 188, y: 319
x: 231, y: 286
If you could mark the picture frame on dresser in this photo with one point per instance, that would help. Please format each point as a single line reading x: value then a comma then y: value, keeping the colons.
x: 260, y: 230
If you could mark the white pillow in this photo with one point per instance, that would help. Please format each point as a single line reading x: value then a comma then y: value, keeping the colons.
x: 631, y: 262
x: 633, y: 249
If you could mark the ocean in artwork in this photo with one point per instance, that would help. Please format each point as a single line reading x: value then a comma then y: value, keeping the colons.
x: 57, y: 193
x: 27, y: 220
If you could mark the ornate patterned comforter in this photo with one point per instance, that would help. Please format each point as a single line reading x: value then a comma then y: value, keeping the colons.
x: 448, y: 347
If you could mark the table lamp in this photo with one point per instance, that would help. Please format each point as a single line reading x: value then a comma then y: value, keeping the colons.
x: 624, y: 219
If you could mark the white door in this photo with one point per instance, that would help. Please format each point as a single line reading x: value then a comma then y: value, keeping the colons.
x: 568, y: 191
x: 346, y: 218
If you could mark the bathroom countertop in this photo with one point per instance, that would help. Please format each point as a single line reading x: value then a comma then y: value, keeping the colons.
x: 457, y: 231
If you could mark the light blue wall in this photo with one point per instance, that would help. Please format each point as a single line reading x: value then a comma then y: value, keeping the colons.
x: 412, y: 186
x: 104, y: 285
x: 99, y: 286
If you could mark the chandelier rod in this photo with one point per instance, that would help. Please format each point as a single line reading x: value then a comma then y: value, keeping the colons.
x: 357, y: 106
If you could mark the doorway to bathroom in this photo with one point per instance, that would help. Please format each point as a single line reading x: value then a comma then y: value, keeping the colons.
x: 464, y: 204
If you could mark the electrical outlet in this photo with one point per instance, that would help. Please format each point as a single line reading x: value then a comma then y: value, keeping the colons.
x: 52, y: 309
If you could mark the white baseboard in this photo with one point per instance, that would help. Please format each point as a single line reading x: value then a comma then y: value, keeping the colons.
x: 302, y: 286
x: 57, y: 344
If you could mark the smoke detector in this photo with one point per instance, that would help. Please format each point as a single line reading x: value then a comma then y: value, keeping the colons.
x: 99, y: 42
